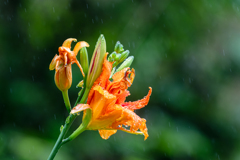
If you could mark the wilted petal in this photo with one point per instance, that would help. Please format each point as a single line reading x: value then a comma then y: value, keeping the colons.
x: 54, y: 61
x: 67, y: 43
x: 78, y: 46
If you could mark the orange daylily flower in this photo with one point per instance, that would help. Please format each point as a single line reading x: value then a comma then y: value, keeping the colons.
x: 109, y: 111
x: 62, y: 63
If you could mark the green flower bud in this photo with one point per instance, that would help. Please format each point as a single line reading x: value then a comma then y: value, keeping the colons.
x: 126, y: 63
x: 118, y: 47
x: 124, y: 55
x: 96, y: 61
x: 112, y: 56
x: 118, y: 56
x: 84, y: 60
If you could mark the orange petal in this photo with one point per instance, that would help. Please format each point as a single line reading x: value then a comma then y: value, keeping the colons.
x: 122, y: 97
x: 121, y: 81
x: 105, y: 121
x: 129, y: 118
x: 54, y: 61
x: 105, y: 134
x: 78, y: 46
x: 138, y: 104
x: 118, y: 76
x: 79, y: 108
x: 80, y: 67
x: 100, y: 101
x: 67, y: 43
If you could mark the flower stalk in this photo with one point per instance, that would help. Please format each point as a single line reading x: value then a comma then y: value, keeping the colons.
x: 66, y: 100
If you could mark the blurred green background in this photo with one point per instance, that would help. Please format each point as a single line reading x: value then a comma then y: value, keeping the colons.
x: 187, y: 51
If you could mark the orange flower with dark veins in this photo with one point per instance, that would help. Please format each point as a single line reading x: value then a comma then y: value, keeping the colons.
x: 62, y: 63
x: 106, y: 100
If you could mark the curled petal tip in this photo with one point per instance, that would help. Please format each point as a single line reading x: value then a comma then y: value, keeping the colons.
x: 78, y: 46
x: 67, y: 43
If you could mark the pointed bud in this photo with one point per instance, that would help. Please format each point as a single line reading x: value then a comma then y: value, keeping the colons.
x: 84, y: 60
x: 118, y: 47
x: 96, y: 61
x: 124, y: 55
x: 126, y: 63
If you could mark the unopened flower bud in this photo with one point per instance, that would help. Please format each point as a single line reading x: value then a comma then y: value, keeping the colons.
x: 84, y: 60
x: 118, y: 56
x: 63, y: 77
x: 112, y: 56
x: 118, y: 47
x: 126, y: 63
x: 124, y: 55
x: 96, y: 61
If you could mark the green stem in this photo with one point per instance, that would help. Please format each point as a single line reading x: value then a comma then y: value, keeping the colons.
x: 66, y: 127
x: 85, y: 95
x: 81, y: 128
x: 66, y: 100
x: 79, y: 96
x: 78, y: 131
